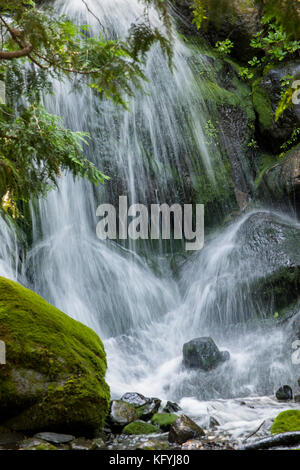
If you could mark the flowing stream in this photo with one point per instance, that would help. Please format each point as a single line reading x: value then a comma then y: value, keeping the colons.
x: 130, y: 298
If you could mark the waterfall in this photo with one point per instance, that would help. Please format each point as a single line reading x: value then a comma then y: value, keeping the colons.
x: 127, y: 295
x: 109, y: 287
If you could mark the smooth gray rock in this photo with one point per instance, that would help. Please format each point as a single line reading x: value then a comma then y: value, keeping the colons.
x: 54, y: 438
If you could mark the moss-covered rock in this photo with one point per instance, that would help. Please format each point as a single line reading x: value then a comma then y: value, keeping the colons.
x: 140, y: 427
x: 54, y: 376
x: 286, y: 421
x: 164, y: 420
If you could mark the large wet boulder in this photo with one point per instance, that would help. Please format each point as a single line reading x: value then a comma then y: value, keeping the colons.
x: 184, y: 429
x: 121, y: 414
x: 203, y: 353
x: 54, y: 376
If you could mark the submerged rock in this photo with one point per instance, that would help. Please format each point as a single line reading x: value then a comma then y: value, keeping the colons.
x: 53, y: 379
x: 202, y: 353
x: 284, y: 393
x: 184, y: 429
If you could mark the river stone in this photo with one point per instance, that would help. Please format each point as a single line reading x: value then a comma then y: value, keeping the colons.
x: 171, y: 407
x: 202, y: 353
x: 145, y: 407
x: 122, y: 413
x: 213, y: 422
x: 54, y: 376
x: 284, y: 393
x: 54, y: 438
x: 184, y: 429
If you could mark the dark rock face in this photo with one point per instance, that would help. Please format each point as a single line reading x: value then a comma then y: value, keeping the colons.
x: 171, y: 407
x: 282, y: 183
x: 202, y: 353
x: 145, y: 407
x: 184, y: 429
x: 135, y: 399
x: 238, y: 20
x: 284, y: 393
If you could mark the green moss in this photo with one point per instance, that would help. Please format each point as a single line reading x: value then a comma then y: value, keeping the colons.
x: 262, y: 105
x: 164, y: 420
x: 61, y: 362
x: 140, y: 427
x: 286, y: 421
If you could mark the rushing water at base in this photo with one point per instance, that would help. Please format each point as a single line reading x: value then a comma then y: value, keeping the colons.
x: 144, y: 315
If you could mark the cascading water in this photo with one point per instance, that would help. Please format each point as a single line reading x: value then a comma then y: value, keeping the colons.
x: 144, y: 315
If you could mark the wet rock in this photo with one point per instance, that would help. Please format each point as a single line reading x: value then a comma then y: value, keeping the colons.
x: 184, y: 429
x: 54, y: 438
x: 140, y: 428
x: 171, y: 407
x: 81, y: 444
x: 270, y: 245
x: 145, y: 407
x: 154, y: 444
x: 213, y: 422
x: 281, y: 184
x: 284, y: 393
x: 97, y: 444
x: 202, y: 353
x: 164, y: 420
x: 280, y: 440
x: 121, y: 414
x: 54, y: 376
x: 297, y: 398
x: 266, y: 96
x: 36, y: 444
x: 9, y: 439
x: 135, y: 399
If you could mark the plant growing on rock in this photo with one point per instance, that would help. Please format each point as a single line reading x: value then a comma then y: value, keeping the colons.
x: 36, y: 46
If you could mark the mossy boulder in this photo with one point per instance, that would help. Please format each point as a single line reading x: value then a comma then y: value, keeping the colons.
x: 54, y: 376
x: 139, y: 428
x: 286, y: 421
x: 164, y: 420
